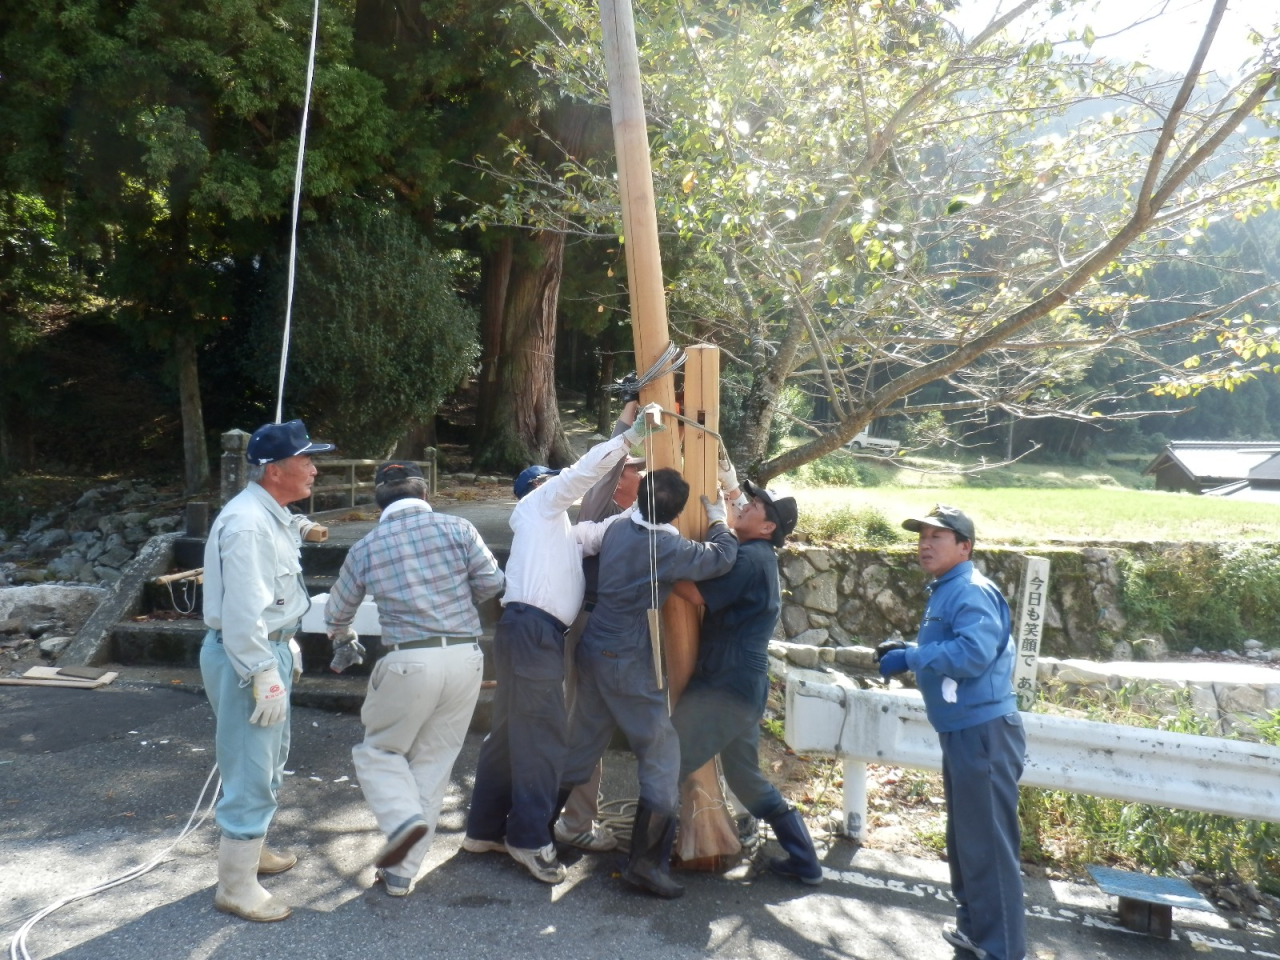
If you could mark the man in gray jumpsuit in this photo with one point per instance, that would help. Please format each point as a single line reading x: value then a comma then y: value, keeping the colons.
x: 640, y: 559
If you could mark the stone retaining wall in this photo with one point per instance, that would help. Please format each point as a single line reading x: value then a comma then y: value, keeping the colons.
x: 844, y: 597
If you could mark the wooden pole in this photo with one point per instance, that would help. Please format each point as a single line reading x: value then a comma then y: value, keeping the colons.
x: 702, y: 843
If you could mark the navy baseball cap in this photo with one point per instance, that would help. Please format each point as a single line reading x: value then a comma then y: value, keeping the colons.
x: 781, y: 511
x: 529, y: 478
x: 280, y: 441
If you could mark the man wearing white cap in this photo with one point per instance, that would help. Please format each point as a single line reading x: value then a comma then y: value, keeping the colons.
x: 254, y: 599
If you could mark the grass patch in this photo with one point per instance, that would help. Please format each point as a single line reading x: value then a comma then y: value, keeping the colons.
x: 1037, y: 515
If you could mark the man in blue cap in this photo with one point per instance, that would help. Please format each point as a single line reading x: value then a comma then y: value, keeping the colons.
x: 254, y: 599
x: 518, y: 771
x: 963, y: 661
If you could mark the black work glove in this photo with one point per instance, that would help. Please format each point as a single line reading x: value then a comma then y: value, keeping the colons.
x: 629, y: 388
x: 887, y: 645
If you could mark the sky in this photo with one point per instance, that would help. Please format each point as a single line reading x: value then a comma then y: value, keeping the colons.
x: 1168, y: 41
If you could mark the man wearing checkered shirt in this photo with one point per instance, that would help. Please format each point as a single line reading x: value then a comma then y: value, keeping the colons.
x: 426, y: 572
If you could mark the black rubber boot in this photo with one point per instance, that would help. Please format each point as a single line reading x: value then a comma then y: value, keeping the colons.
x: 649, y: 865
x: 802, y: 860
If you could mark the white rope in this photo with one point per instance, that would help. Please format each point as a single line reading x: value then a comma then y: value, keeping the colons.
x: 297, y: 196
x: 18, y: 945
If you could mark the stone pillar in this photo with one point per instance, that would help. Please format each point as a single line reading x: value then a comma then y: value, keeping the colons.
x: 234, y: 465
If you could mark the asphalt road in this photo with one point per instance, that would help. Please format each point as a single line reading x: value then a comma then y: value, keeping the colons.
x: 94, y: 783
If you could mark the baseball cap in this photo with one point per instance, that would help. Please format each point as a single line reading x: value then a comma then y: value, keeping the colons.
x: 948, y: 518
x: 280, y: 441
x: 781, y: 511
x: 396, y: 470
x: 529, y: 477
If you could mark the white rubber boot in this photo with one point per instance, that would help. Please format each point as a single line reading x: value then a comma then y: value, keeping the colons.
x: 238, y: 889
x: 270, y: 862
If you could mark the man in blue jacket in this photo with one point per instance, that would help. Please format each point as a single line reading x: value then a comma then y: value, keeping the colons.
x: 963, y: 661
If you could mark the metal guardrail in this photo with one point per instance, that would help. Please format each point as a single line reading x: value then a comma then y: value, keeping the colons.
x: 352, y: 486
x: 828, y: 713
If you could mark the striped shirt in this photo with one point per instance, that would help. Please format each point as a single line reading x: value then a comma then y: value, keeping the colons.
x: 426, y: 571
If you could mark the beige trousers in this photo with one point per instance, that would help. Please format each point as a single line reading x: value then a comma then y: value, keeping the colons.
x: 416, y: 713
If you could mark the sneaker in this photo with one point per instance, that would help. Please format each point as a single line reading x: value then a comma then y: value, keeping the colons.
x: 960, y: 941
x: 541, y: 863
x: 397, y: 886
x: 598, y: 839
x: 476, y: 845
x: 401, y: 841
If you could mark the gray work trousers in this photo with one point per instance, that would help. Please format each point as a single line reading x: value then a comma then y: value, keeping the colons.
x: 619, y: 691
x: 980, y: 770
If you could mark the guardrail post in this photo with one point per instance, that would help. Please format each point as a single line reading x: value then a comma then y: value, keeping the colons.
x: 233, y: 467
x: 855, y: 798
x: 1031, y: 616
x: 351, y: 479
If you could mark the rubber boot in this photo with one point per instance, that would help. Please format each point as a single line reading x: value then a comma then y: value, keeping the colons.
x: 238, y: 889
x: 802, y: 860
x: 649, y: 864
x: 270, y: 862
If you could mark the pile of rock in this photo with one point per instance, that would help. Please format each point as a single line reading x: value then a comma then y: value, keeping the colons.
x: 44, y: 616
x: 90, y: 540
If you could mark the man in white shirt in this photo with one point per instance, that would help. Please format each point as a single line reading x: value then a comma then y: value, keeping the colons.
x: 518, y: 771
x: 254, y: 599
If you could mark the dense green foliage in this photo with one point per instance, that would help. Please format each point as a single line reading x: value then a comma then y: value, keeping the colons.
x: 374, y: 364
x: 1205, y: 594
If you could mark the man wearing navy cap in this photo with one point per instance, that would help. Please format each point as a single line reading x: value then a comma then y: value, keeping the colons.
x: 963, y: 661
x: 518, y: 770
x: 254, y: 599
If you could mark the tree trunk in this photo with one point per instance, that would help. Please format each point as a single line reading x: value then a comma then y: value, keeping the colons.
x: 524, y: 425
x: 521, y: 422
x: 195, y: 454
x: 495, y: 276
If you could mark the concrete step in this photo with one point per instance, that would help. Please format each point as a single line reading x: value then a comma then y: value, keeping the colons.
x: 177, y: 643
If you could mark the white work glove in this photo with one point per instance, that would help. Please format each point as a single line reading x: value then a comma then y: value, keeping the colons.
x: 297, y: 658
x: 642, y: 427
x: 728, y: 476
x: 716, y: 512
x: 271, y: 697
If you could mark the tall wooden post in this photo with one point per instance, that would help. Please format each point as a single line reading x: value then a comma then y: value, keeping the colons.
x: 706, y: 838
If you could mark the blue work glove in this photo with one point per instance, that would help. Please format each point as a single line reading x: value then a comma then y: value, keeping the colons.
x: 893, y: 662
x: 895, y: 644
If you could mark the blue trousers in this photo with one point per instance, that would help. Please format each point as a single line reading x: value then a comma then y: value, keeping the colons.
x: 980, y: 770
x: 250, y: 758
x: 710, y: 722
x: 620, y: 691
x: 518, y: 772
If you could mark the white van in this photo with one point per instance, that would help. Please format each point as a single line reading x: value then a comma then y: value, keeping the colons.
x: 864, y: 441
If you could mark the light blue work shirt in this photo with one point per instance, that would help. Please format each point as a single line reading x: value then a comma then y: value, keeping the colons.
x: 253, y: 578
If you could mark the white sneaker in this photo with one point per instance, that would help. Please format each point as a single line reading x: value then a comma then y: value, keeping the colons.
x: 542, y: 864
x: 960, y: 941
x: 475, y: 845
x: 598, y: 839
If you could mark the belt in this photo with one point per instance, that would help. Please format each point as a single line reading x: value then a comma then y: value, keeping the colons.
x: 536, y: 612
x: 430, y: 642
x: 275, y: 636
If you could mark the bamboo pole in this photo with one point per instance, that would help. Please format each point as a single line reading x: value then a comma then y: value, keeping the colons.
x: 709, y: 836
